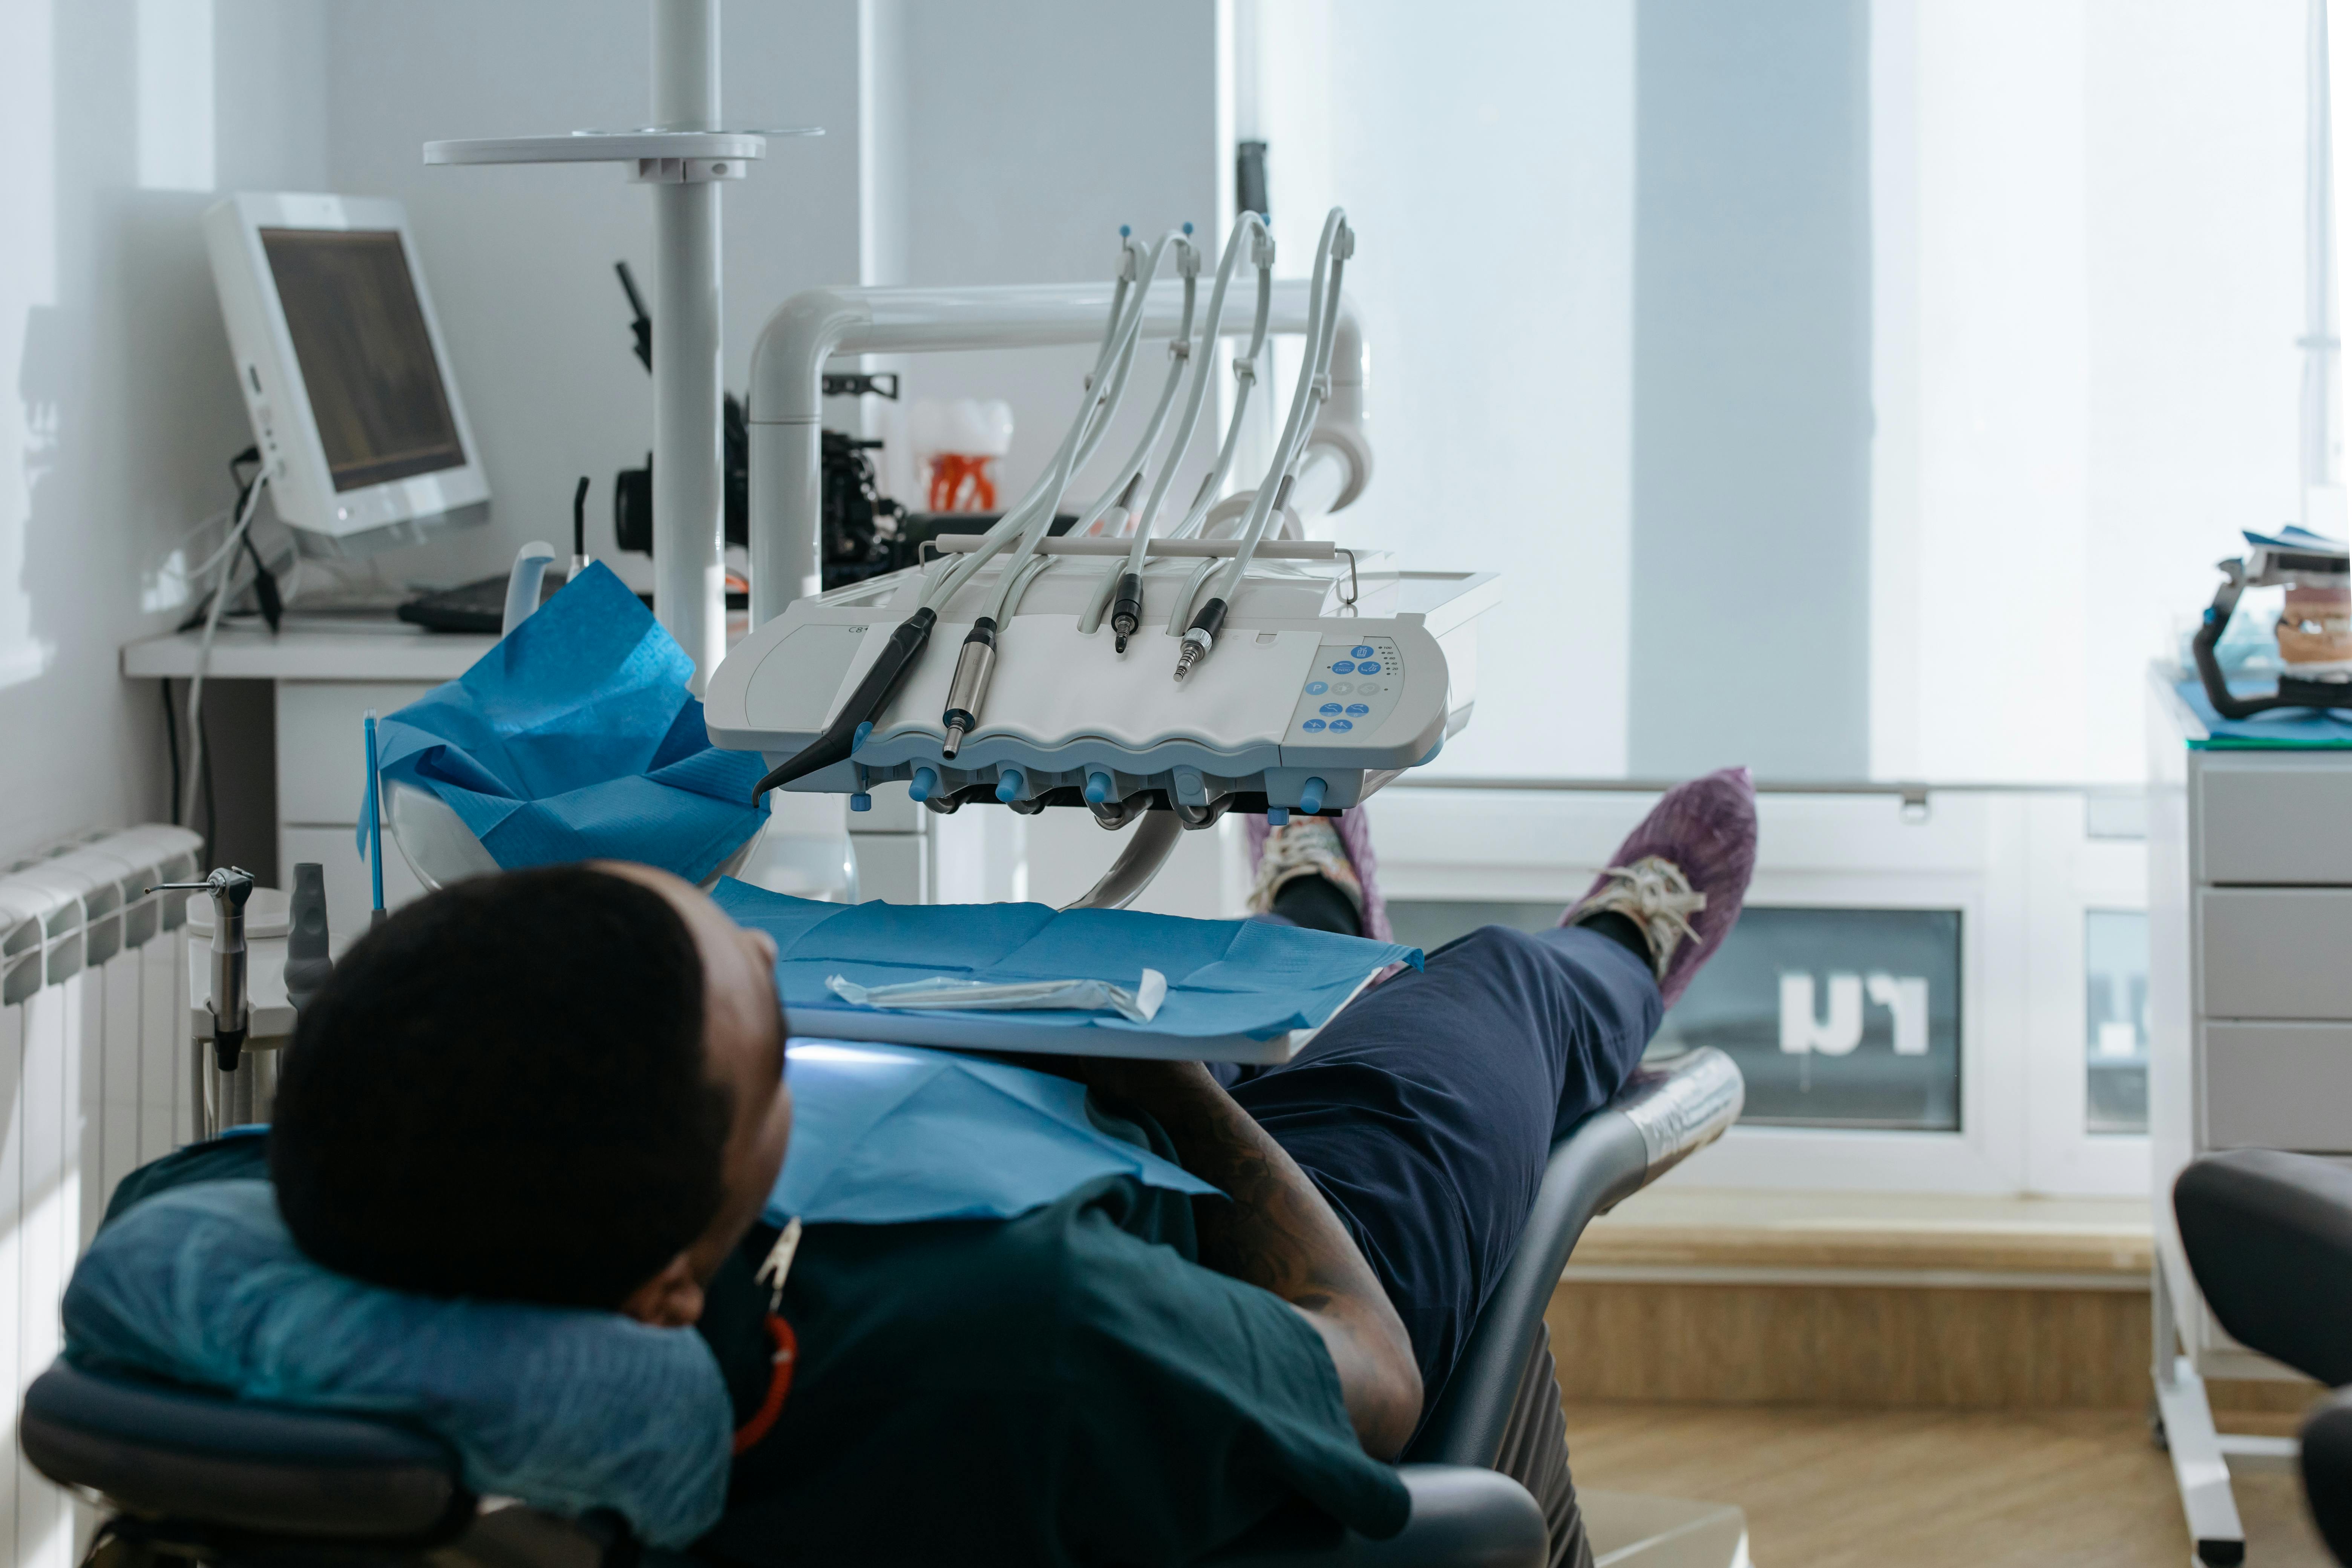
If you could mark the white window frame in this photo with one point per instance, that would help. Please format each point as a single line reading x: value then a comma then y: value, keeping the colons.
x: 2019, y: 865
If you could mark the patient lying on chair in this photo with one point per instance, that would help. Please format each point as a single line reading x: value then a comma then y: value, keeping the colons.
x: 566, y: 1087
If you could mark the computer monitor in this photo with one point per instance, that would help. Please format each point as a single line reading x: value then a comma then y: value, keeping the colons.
x: 344, y: 369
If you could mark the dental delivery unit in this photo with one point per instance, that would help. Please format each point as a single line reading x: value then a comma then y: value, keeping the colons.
x: 1228, y: 662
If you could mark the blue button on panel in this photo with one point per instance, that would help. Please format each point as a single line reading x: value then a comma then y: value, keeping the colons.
x: 1343, y: 668
x: 1316, y: 724
x: 1318, y: 688
x: 1357, y: 710
x: 1331, y: 708
x: 1343, y: 723
x: 1362, y: 651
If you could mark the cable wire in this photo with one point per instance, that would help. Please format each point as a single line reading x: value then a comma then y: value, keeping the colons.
x: 198, y: 762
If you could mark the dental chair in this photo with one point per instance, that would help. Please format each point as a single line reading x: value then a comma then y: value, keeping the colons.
x: 2269, y: 1236
x: 182, y: 1472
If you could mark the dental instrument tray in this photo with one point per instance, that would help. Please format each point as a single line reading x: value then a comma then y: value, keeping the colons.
x: 1237, y: 991
x: 1335, y: 671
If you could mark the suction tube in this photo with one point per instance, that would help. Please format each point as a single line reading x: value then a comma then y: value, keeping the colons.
x: 1338, y: 244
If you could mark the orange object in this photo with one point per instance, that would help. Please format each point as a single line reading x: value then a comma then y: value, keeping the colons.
x: 961, y: 482
x: 779, y: 1383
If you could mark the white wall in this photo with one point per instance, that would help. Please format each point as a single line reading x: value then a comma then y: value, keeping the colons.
x: 123, y: 410
x: 1033, y: 132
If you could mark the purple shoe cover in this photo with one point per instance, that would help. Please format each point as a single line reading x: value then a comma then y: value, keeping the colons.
x: 1356, y: 837
x: 1707, y: 827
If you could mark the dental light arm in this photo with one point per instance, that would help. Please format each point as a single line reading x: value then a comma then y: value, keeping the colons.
x: 1314, y: 380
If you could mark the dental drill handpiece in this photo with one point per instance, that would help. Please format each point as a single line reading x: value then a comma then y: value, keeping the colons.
x: 230, y: 887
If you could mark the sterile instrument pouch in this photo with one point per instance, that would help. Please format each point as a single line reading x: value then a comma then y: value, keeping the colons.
x: 1139, y: 1005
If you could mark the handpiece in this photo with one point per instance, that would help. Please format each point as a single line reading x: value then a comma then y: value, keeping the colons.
x: 230, y: 887
x: 1127, y: 610
x: 969, y: 687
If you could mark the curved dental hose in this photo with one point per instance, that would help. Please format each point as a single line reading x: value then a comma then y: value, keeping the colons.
x: 1122, y: 585
x: 889, y: 671
x: 976, y: 661
x: 1338, y: 242
x: 1246, y: 368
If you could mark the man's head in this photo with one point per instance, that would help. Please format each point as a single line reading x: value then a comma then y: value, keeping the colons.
x: 562, y: 1085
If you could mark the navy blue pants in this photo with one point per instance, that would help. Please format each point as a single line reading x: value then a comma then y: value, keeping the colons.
x: 1427, y: 1108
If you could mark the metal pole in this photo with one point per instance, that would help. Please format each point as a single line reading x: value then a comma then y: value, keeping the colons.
x: 688, y: 501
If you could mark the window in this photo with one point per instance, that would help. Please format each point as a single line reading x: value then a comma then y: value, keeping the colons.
x: 1825, y: 378
x: 1837, y: 1017
x: 2115, y: 1020
x: 1905, y: 993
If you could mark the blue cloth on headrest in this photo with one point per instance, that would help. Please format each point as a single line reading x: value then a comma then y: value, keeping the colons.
x: 567, y: 1409
x: 886, y: 1134
x: 576, y: 738
x: 1224, y: 977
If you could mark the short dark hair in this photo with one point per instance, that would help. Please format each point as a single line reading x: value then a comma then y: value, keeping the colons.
x: 502, y: 1093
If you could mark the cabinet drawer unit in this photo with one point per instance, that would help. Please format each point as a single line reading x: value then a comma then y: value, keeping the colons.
x: 2274, y: 952
x: 2272, y: 819
x: 2279, y: 1085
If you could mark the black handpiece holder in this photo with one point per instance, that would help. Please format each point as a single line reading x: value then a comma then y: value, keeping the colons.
x: 874, y: 693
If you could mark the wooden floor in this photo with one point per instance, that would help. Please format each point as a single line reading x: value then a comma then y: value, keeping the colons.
x: 1926, y: 1489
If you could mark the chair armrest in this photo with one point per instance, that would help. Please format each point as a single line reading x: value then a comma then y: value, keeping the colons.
x: 2327, y: 1471
x: 1461, y: 1518
x: 1666, y: 1112
x: 1681, y: 1105
x: 2269, y: 1236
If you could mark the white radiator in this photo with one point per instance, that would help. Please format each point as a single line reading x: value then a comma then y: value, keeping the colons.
x: 94, y: 1047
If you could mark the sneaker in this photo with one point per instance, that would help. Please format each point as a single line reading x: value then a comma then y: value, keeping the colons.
x: 1681, y: 876
x: 1305, y: 847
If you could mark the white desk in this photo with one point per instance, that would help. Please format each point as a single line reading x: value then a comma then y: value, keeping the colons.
x: 322, y: 682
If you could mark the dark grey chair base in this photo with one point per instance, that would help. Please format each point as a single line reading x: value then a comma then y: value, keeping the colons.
x: 197, y: 1475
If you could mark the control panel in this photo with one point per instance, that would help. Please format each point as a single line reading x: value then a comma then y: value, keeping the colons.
x: 1351, y: 689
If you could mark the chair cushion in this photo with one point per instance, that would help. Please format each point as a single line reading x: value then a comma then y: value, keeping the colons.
x: 567, y: 1409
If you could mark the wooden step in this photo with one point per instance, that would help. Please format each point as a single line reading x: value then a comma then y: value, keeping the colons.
x: 1697, y: 1296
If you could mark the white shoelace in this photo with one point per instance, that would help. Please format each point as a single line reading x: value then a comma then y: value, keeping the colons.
x: 1654, y: 894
